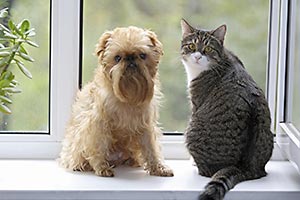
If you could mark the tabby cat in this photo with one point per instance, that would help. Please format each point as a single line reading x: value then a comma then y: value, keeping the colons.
x: 228, y: 134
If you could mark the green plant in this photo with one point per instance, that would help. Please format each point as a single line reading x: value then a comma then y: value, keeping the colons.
x: 13, y: 37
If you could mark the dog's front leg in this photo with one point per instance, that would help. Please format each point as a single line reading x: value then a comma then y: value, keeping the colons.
x: 100, y: 166
x: 152, y: 156
x: 98, y: 143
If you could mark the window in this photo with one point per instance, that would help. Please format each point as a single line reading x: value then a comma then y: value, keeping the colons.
x: 62, y: 27
x: 30, y: 109
x: 294, y: 68
x: 286, y: 49
x: 247, y: 36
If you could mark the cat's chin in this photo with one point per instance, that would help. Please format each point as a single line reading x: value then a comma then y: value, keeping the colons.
x: 193, y: 69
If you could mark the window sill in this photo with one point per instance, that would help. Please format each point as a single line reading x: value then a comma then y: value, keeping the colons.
x: 43, y: 179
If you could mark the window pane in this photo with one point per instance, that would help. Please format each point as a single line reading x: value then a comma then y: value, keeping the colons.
x: 30, y: 108
x: 296, y: 74
x: 247, y: 23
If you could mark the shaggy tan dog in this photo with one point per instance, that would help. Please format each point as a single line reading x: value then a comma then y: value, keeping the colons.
x: 114, y: 117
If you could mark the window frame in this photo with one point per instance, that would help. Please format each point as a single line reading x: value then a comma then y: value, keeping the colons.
x: 66, y: 18
x: 287, y: 136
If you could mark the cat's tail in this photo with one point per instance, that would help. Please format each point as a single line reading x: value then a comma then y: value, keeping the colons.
x: 225, y: 179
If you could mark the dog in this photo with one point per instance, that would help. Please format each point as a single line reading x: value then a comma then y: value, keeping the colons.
x: 114, y: 117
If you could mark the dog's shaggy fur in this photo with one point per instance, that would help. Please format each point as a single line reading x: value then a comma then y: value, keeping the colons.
x: 114, y: 117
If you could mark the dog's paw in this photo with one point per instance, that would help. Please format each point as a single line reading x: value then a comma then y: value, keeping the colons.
x: 161, y: 170
x: 84, y: 167
x: 105, y: 173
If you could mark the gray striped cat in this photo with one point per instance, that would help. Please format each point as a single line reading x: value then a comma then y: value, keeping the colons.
x: 228, y: 134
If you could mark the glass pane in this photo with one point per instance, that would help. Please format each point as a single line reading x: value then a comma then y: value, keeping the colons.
x: 30, y: 108
x: 247, y: 23
x: 296, y: 74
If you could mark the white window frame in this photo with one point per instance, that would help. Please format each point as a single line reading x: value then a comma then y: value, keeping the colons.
x: 64, y: 77
x: 287, y: 136
x: 65, y: 65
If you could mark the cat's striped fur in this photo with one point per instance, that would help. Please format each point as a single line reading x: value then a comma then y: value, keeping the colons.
x: 229, y: 133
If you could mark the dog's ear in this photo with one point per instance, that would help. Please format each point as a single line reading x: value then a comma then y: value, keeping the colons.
x: 100, y: 46
x: 155, y: 42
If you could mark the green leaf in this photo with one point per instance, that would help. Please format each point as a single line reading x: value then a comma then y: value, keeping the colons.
x: 5, y: 99
x: 31, y: 34
x: 5, y: 109
x: 14, y: 82
x: 25, y: 71
x: 4, y: 39
x: 5, y: 48
x: 2, y: 27
x: 3, y: 13
x: 20, y: 40
x: 4, y: 83
x: 11, y: 90
x: 22, y: 49
x: 11, y: 25
x: 4, y: 54
x: 3, y: 62
x: 25, y: 25
x: 10, y: 35
x: 26, y: 57
x: 29, y: 31
x: 16, y: 60
x: 7, y: 75
x: 16, y: 48
x: 12, y: 85
x: 32, y: 43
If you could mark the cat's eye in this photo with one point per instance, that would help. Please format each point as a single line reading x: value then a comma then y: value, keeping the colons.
x: 208, y: 49
x: 143, y: 56
x: 118, y: 58
x: 192, y: 47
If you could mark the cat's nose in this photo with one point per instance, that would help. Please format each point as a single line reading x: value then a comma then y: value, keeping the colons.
x: 197, y: 55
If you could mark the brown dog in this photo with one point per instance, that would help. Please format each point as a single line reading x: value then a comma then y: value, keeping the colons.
x: 114, y: 118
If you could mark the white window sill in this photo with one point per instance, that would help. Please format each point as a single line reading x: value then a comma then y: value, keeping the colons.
x: 43, y: 179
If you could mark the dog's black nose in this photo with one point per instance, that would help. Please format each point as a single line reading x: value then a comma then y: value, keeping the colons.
x: 132, y: 65
x: 130, y: 60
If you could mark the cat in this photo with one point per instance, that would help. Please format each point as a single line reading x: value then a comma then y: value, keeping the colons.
x: 228, y: 134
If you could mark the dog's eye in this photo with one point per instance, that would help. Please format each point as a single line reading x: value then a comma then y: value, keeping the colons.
x: 143, y: 56
x: 118, y: 58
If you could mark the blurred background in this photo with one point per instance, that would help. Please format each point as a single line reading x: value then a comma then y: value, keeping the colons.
x: 247, y: 32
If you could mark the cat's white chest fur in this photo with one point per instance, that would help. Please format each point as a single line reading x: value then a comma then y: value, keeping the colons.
x: 194, y: 64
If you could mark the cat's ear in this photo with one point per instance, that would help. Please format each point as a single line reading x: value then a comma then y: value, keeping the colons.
x: 186, y: 28
x: 220, y: 32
